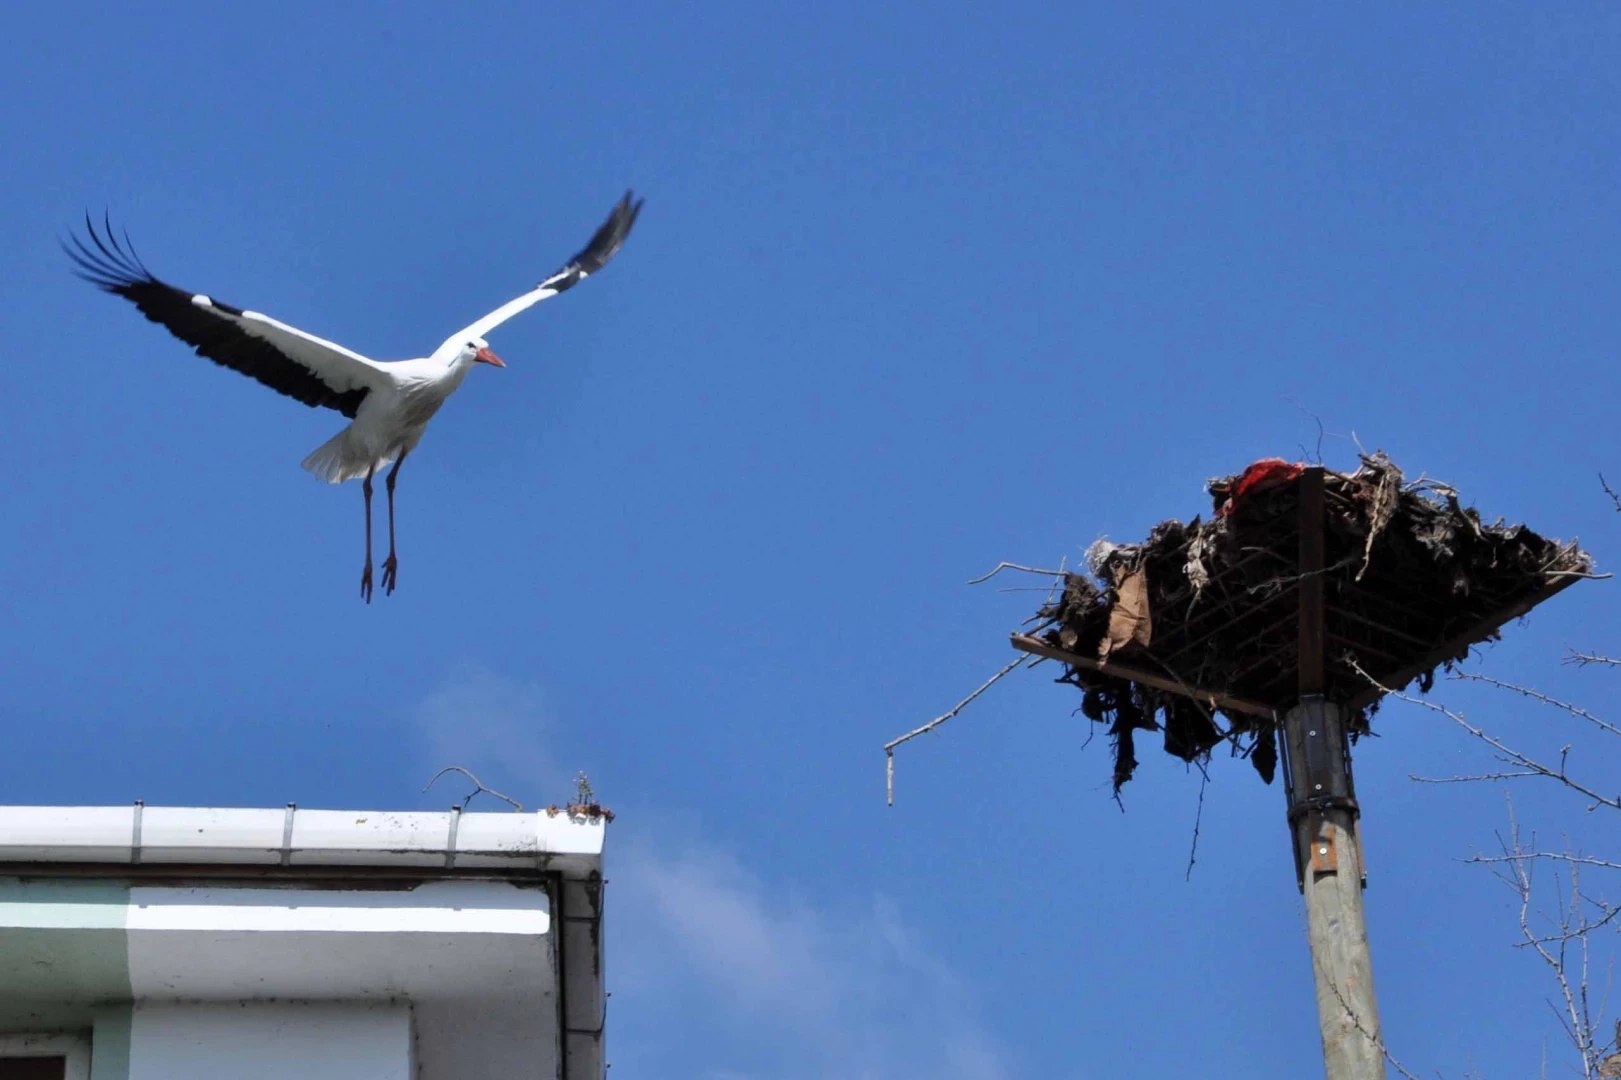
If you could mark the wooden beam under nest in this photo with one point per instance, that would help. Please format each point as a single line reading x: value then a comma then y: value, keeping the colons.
x: 1215, y: 700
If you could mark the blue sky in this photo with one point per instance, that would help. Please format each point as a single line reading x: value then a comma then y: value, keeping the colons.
x: 917, y: 289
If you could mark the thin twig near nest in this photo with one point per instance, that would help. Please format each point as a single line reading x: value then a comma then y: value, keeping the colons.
x: 1015, y: 566
x: 889, y: 747
x: 478, y: 789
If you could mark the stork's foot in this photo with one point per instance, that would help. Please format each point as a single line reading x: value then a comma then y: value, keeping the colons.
x: 391, y: 571
x: 365, y: 582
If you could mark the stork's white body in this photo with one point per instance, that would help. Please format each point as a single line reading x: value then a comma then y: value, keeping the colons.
x: 391, y: 421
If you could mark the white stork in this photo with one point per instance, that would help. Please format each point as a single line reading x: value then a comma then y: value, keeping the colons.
x: 389, y: 404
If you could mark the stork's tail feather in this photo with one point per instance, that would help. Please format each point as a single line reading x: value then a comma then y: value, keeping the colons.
x: 336, y: 460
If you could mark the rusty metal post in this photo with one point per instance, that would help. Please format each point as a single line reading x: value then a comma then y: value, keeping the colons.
x: 1323, y: 822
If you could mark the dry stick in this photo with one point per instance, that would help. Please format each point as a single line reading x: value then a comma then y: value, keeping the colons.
x: 1053, y: 589
x: 1320, y: 433
x: 1386, y: 499
x: 1231, y: 735
x: 1583, y: 659
x: 1014, y: 566
x: 478, y: 788
x: 1565, y: 553
x: 889, y: 747
x: 1276, y: 584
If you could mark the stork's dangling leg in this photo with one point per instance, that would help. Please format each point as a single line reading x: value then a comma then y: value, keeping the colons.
x: 391, y: 565
x: 365, y: 575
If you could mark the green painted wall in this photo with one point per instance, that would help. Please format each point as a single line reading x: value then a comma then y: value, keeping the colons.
x: 64, y: 964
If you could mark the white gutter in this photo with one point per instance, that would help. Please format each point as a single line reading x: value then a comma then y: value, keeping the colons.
x: 294, y: 837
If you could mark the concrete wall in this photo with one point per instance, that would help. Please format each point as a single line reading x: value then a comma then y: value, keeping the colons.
x: 270, y: 1041
x: 444, y: 981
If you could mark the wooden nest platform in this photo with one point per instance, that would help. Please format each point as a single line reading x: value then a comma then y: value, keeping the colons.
x: 1302, y: 581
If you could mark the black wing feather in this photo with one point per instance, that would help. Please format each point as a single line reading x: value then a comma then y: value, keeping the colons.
x: 115, y: 268
x: 604, y: 245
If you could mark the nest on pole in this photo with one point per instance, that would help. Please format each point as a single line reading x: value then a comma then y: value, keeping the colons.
x: 1194, y: 632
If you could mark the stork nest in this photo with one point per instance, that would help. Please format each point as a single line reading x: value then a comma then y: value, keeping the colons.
x: 1411, y: 580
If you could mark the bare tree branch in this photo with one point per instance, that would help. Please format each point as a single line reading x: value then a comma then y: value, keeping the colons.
x: 1614, y: 498
x: 1567, y: 950
x: 1509, y: 755
x: 478, y: 788
x: 1535, y: 695
x: 1556, y: 856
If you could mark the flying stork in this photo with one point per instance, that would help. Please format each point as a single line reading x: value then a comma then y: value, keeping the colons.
x: 389, y: 404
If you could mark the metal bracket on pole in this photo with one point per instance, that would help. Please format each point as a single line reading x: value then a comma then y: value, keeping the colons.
x: 1318, y: 779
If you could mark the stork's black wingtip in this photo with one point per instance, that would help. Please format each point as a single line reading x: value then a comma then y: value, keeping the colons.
x: 100, y: 258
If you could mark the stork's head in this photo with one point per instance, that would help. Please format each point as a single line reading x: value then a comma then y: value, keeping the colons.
x: 478, y: 351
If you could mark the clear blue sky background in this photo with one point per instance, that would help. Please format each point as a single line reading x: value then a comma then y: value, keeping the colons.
x: 917, y: 289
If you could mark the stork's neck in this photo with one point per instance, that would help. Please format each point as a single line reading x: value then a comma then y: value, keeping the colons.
x: 454, y: 373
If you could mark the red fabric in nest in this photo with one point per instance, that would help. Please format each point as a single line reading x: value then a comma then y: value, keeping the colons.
x: 1266, y: 472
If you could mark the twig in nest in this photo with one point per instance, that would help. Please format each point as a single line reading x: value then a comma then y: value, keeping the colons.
x: 1276, y: 584
x: 1014, y: 566
x: 478, y: 788
x: 1317, y: 458
x: 1197, y: 573
x: 1386, y: 498
x: 1053, y: 590
x: 889, y: 747
x: 1322, y: 432
x: 1208, y: 708
x: 1564, y: 553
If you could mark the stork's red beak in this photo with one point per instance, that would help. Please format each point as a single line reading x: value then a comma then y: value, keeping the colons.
x: 485, y: 356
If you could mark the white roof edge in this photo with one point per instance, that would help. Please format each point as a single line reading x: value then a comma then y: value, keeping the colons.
x: 298, y: 837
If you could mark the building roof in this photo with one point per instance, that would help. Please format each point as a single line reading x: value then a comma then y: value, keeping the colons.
x: 488, y: 924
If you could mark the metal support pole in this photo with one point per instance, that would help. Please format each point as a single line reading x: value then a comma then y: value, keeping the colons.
x: 1323, y: 823
x: 1323, y: 816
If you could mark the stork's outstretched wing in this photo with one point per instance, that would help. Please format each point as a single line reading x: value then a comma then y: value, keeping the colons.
x: 284, y: 358
x: 595, y: 255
